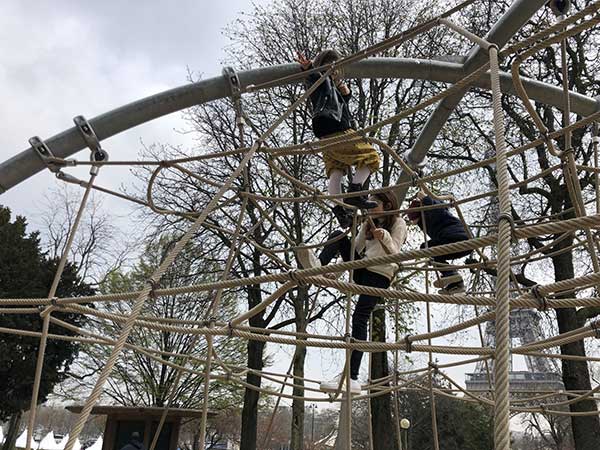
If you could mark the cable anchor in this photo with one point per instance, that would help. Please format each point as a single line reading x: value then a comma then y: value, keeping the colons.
x: 98, y: 154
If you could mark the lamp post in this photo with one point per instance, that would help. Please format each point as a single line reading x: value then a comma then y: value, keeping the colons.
x: 312, y: 406
x: 404, y: 425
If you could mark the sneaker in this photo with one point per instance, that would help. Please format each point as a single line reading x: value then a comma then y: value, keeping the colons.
x: 343, y: 216
x: 307, y: 259
x: 445, y: 281
x: 453, y: 288
x: 333, y: 385
x: 361, y: 201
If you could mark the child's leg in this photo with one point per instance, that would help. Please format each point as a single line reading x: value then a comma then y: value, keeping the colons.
x: 361, y: 175
x: 442, y: 259
x: 362, y: 314
x: 360, y: 320
x: 335, y: 248
x: 335, y: 187
x: 357, y: 184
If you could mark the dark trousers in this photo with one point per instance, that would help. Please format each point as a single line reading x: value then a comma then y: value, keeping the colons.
x: 366, y: 303
x: 443, y: 259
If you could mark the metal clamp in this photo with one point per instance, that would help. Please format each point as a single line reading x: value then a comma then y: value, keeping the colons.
x: 595, y: 325
x: 509, y: 218
x: 68, y: 178
x: 91, y: 140
x: 44, y: 152
x: 408, y: 343
x: 434, y: 367
x: 234, y: 81
x: 542, y: 301
x: 235, y: 88
x: 559, y: 7
x: 595, y: 127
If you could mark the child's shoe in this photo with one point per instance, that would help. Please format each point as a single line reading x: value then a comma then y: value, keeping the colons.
x: 453, y: 288
x: 342, y: 215
x: 333, y: 385
x: 361, y: 201
x: 445, y: 281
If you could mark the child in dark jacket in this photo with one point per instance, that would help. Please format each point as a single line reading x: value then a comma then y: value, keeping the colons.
x: 442, y: 228
x: 331, y: 117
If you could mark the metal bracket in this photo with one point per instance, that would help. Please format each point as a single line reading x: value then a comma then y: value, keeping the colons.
x: 91, y: 139
x: 236, y: 95
x: 87, y: 132
x: 234, y: 81
x: 44, y: 152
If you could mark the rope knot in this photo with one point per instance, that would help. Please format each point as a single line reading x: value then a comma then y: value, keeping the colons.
x: 293, y: 274
x: 566, y: 152
x: 154, y: 284
x: 545, y: 135
x: 414, y: 179
x: 542, y: 301
x: 434, y: 367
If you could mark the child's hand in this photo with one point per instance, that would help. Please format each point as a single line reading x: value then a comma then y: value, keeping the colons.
x: 378, y: 234
x: 304, y: 62
x: 421, y: 195
x: 343, y: 88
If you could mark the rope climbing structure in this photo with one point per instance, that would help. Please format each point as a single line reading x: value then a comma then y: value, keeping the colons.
x: 482, y: 69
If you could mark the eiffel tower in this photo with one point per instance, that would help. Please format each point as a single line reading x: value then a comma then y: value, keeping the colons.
x: 541, y: 374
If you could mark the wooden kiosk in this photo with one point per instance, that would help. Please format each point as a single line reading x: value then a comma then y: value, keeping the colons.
x: 122, y: 421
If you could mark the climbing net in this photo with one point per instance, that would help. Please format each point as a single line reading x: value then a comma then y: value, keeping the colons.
x: 498, y: 305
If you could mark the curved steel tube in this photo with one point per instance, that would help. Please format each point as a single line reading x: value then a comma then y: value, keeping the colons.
x: 27, y: 163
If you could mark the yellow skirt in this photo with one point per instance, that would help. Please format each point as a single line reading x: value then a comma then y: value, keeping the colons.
x: 357, y: 153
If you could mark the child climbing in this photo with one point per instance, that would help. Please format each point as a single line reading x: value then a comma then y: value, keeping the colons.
x: 442, y: 228
x: 386, y: 237
x: 331, y: 117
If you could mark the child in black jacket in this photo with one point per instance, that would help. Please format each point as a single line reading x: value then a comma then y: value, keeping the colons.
x: 442, y: 228
x: 331, y: 117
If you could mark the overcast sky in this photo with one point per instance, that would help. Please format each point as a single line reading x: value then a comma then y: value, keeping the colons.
x: 62, y: 58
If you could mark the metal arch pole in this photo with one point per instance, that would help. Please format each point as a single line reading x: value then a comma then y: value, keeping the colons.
x: 506, y: 27
x: 26, y: 164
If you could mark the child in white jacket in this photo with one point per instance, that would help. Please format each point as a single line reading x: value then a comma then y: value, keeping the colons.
x: 386, y: 238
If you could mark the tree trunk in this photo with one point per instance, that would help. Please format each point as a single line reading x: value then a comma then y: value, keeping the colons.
x: 250, y: 410
x: 297, y: 435
x: 196, y: 439
x: 255, y: 361
x: 13, y: 431
x: 384, y: 435
x: 576, y: 376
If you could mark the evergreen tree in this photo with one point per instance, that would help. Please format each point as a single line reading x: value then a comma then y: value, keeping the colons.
x: 25, y: 271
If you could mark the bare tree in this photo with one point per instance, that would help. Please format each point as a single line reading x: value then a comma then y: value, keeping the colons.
x: 100, y: 246
x: 467, y: 139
